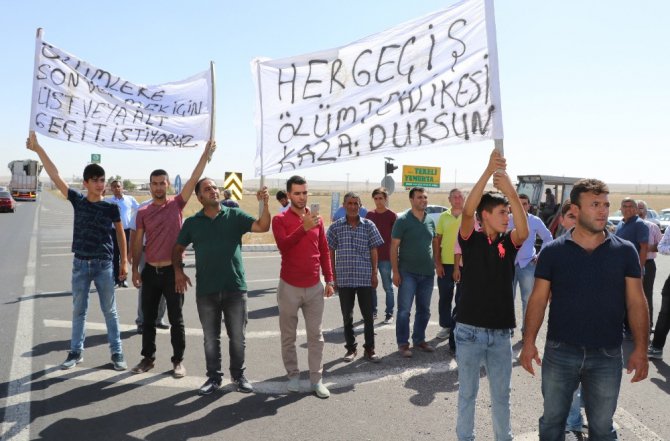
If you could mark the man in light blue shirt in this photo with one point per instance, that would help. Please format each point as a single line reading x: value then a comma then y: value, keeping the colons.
x: 127, y: 206
x: 524, y: 265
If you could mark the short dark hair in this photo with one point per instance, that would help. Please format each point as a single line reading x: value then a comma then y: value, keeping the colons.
x: 454, y: 190
x: 159, y: 172
x: 115, y: 181
x: 565, y: 208
x: 351, y: 194
x: 380, y: 190
x: 92, y: 171
x: 594, y: 186
x: 297, y: 180
x: 197, y: 184
x: 489, y: 201
x: 524, y: 196
x: 281, y: 194
x: 415, y: 190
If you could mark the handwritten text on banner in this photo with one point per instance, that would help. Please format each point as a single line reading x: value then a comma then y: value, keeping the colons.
x: 75, y: 101
x: 424, y: 83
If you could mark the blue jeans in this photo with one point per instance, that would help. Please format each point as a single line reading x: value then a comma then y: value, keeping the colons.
x: 100, y: 272
x: 492, y: 348
x: 232, y: 307
x: 575, y: 421
x: 387, y: 283
x: 413, y: 285
x: 564, y: 366
x: 445, y: 285
x: 525, y: 277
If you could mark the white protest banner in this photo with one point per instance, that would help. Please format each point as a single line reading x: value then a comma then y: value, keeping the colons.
x: 426, y: 83
x: 75, y: 101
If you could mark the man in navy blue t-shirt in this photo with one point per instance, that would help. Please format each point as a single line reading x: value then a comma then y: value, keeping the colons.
x: 592, y: 277
x: 93, y: 252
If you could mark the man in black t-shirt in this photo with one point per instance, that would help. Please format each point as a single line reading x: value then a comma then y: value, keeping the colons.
x: 486, y: 308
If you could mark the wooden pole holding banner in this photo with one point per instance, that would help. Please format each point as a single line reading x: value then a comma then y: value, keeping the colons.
x: 38, y: 40
x: 495, y: 82
x: 260, y: 97
x: 212, y: 113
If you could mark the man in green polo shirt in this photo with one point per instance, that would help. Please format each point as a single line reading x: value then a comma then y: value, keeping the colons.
x: 221, y: 290
x: 412, y: 244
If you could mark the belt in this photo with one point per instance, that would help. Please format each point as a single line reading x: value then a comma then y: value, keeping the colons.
x: 77, y: 256
x: 159, y: 269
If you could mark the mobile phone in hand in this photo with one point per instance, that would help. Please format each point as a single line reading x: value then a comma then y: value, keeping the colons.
x: 314, y: 209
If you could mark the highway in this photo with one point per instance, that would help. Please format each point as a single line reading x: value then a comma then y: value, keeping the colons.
x: 413, y: 399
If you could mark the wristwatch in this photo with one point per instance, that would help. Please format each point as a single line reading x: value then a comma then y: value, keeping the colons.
x: 331, y: 284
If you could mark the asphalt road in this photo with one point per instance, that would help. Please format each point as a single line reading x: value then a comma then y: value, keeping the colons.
x: 395, y: 399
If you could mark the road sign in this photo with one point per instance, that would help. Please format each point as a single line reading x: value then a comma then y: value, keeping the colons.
x: 177, y: 184
x: 96, y: 158
x: 233, y: 182
x: 389, y: 184
x: 420, y: 176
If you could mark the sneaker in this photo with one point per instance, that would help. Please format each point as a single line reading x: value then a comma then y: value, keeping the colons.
x: 243, y: 384
x: 374, y: 315
x: 293, y: 384
x: 119, y: 362
x: 140, y: 329
x: 652, y: 352
x: 389, y: 319
x: 425, y: 347
x: 123, y: 284
x: 210, y: 386
x: 162, y: 325
x: 574, y: 435
x: 443, y: 334
x: 350, y: 355
x: 404, y: 351
x: 73, y: 358
x: 320, y: 390
x: 179, y: 370
x: 143, y: 366
x: 371, y: 356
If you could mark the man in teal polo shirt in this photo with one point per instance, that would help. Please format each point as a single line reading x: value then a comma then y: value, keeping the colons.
x: 221, y: 290
x: 412, y: 243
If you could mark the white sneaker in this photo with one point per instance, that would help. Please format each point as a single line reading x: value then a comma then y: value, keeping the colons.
x: 443, y: 334
x: 388, y: 320
x: 293, y: 384
x: 320, y: 390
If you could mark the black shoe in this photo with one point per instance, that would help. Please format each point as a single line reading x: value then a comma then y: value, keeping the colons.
x: 574, y: 435
x: 162, y: 326
x: 210, y: 386
x: 140, y: 329
x: 123, y: 284
x: 243, y: 384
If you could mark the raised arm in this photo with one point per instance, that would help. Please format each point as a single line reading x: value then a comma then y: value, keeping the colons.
x: 496, y: 162
x: 187, y: 191
x: 52, y: 171
x: 262, y: 224
x: 520, y: 232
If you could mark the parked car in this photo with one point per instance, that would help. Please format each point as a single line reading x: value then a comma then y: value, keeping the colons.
x: 652, y: 216
x: 616, y: 218
x: 665, y: 221
x: 435, y: 211
x: 665, y: 210
x: 7, y: 202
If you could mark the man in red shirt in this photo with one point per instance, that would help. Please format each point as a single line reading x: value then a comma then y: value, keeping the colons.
x: 302, y: 242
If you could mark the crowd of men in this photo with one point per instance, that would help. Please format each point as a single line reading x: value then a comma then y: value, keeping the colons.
x: 480, y: 250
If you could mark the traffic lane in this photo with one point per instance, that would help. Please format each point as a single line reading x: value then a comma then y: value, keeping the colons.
x: 15, y: 232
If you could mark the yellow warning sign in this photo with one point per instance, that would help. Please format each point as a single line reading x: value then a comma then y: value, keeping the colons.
x: 233, y: 182
x: 420, y: 176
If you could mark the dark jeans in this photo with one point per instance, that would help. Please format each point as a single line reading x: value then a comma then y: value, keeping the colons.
x: 232, y: 306
x: 157, y: 283
x: 445, y: 286
x: 648, y: 285
x: 347, y: 300
x: 117, y: 253
x: 663, y: 320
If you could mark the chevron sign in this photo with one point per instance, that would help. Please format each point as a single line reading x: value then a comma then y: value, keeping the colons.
x: 233, y: 182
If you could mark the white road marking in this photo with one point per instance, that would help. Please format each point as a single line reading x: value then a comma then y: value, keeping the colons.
x: 627, y: 420
x: 57, y: 255
x: 197, y: 332
x: 16, y: 424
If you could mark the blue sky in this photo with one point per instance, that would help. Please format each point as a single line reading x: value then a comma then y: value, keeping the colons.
x: 584, y: 84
